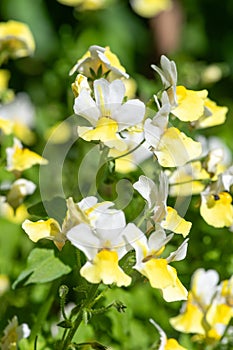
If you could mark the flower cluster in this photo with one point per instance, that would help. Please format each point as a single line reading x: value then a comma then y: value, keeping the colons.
x: 208, y: 310
x: 127, y: 131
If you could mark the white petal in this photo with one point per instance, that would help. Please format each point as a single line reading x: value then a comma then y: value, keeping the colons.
x: 180, y: 253
x: 129, y: 114
x: 136, y: 238
x: 152, y: 133
x: 163, y: 337
x: 116, y: 92
x: 102, y: 96
x: 110, y: 224
x: 158, y: 239
x: 204, y: 285
x: 147, y: 189
x: 83, y: 238
x: 85, y: 106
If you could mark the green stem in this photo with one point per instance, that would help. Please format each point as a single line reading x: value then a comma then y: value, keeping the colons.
x: 78, y: 320
x: 126, y: 154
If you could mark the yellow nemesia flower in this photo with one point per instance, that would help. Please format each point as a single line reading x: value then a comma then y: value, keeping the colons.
x: 16, y: 40
x: 190, y: 104
x: 19, y: 158
x: 105, y: 268
x: 217, y: 210
x: 150, y: 8
x: 97, y: 57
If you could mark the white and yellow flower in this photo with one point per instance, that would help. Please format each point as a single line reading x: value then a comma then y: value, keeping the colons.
x: 100, y: 58
x: 156, y: 198
x: 190, y: 104
x: 19, y: 158
x: 207, y: 311
x: 19, y: 116
x: 171, y: 146
x: 216, y: 208
x: 104, y: 245
x: 87, y: 211
x: 16, y: 40
x: 151, y: 264
x: 107, y: 113
x: 13, y: 333
x: 18, y: 190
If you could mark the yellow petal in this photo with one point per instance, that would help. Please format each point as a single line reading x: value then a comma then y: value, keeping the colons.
x: 44, y: 229
x: 105, y: 268
x: 175, y: 223
x: 172, y: 344
x: 176, y: 149
x: 190, y: 104
x: 190, y: 321
x: 104, y: 131
x: 158, y: 273
x: 217, y: 210
x: 113, y: 59
x: 23, y: 158
x: 220, y: 313
x: 175, y: 291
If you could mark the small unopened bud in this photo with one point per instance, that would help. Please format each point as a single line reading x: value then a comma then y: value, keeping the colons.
x: 63, y: 291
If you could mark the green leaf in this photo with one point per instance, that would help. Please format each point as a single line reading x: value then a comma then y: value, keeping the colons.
x: 42, y: 267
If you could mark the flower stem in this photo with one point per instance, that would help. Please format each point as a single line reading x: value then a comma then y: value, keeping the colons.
x: 90, y: 297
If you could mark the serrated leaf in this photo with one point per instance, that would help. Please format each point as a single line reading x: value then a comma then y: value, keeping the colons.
x: 42, y: 267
